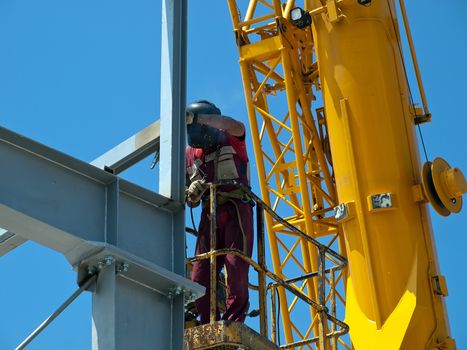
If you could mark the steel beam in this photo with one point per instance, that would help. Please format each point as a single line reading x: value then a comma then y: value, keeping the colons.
x: 43, y: 190
x: 172, y: 140
x: 9, y: 241
x: 173, y: 99
x: 117, y: 160
x: 133, y: 301
x: 131, y: 151
x: 90, y: 215
x: 99, y: 220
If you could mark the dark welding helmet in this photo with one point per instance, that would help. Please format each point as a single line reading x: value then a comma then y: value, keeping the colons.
x: 203, y: 107
x: 201, y: 135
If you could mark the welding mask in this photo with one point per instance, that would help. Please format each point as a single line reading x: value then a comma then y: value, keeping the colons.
x: 204, y: 136
x: 201, y: 135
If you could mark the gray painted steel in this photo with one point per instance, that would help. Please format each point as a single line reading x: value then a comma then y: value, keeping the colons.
x: 9, y: 241
x: 133, y: 238
x: 43, y: 191
x: 132, y: 150
x: 173, y: 99
x: 118, y: 159
x: 147, y: 326
x: 89, y: 216
x: 173, y: 129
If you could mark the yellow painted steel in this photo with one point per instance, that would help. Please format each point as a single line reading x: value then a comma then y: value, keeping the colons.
x: 278, y: 69
x: 361, y: 146
x: 393, y: 301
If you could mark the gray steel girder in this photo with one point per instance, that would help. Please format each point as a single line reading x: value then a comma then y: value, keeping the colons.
x: 118, y: 159
x: 131, y: 151
x: 90, y: 215
x: 44, y: 192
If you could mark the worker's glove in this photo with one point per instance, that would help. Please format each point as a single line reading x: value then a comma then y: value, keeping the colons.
x: 195, y: 191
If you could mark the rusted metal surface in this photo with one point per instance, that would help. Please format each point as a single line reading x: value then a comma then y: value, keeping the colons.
x: 268, y: 273
x: 213, y: 259
x: 261, y: 274
x: 322, y: 326
x: 226, y: 335
x: 273, y: 313
x: 300, y: 344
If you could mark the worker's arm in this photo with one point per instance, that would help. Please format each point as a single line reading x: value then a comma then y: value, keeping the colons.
x: 232, y: 126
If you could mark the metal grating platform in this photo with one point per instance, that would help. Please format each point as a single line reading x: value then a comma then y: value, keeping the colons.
x: 225, y: 335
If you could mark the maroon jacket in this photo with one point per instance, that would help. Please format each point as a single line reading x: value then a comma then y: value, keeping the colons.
x: 227, y: 161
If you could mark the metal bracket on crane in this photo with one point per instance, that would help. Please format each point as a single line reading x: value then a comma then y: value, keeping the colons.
x: 333, y: 11
x: 446, y: 344
x: 344, y: 211
x: 440, y: 286
x: 418, y: 194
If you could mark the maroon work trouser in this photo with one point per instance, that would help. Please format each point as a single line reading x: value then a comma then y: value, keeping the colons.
x: 228, y: 235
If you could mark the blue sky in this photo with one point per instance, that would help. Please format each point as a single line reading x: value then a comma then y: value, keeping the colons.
x: 83, y: 76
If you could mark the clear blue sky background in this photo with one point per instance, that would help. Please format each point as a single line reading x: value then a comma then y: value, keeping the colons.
x: 81, y: 76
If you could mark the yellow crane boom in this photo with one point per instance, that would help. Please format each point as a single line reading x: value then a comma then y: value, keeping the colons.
x: 395, y: 291
x: 349, y: 174
x: 292, y: 156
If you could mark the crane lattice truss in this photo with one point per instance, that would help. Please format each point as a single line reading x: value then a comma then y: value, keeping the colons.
x: 281, y: 82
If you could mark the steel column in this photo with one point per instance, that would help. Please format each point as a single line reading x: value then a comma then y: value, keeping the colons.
x: 127, y: 315
x: 172, y: 139
x: 173, y: 99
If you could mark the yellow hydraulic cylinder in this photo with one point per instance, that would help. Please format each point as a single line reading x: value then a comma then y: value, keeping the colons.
x: 395, y: 294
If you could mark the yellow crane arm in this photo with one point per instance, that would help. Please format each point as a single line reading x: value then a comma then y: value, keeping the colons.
x: 350, y: 173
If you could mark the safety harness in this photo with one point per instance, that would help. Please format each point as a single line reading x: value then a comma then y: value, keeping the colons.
x: 226, y: 165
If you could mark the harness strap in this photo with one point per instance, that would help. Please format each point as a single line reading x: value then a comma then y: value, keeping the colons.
x: 224, y: 197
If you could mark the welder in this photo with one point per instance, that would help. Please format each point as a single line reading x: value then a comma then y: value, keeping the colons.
x: 216, y: 151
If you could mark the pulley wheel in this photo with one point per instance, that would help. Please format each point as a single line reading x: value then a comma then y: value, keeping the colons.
x: 430, y: 190
x: 438, y: 169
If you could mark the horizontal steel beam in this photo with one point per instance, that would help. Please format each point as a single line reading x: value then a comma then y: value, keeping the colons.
x: 131, y: 237
x: 118, y: 159
x: 79, y: 210
x: 131, y: 151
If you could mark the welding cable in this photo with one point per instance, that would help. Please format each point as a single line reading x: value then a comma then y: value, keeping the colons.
x: 193, y: 222
x: 240, y: 225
